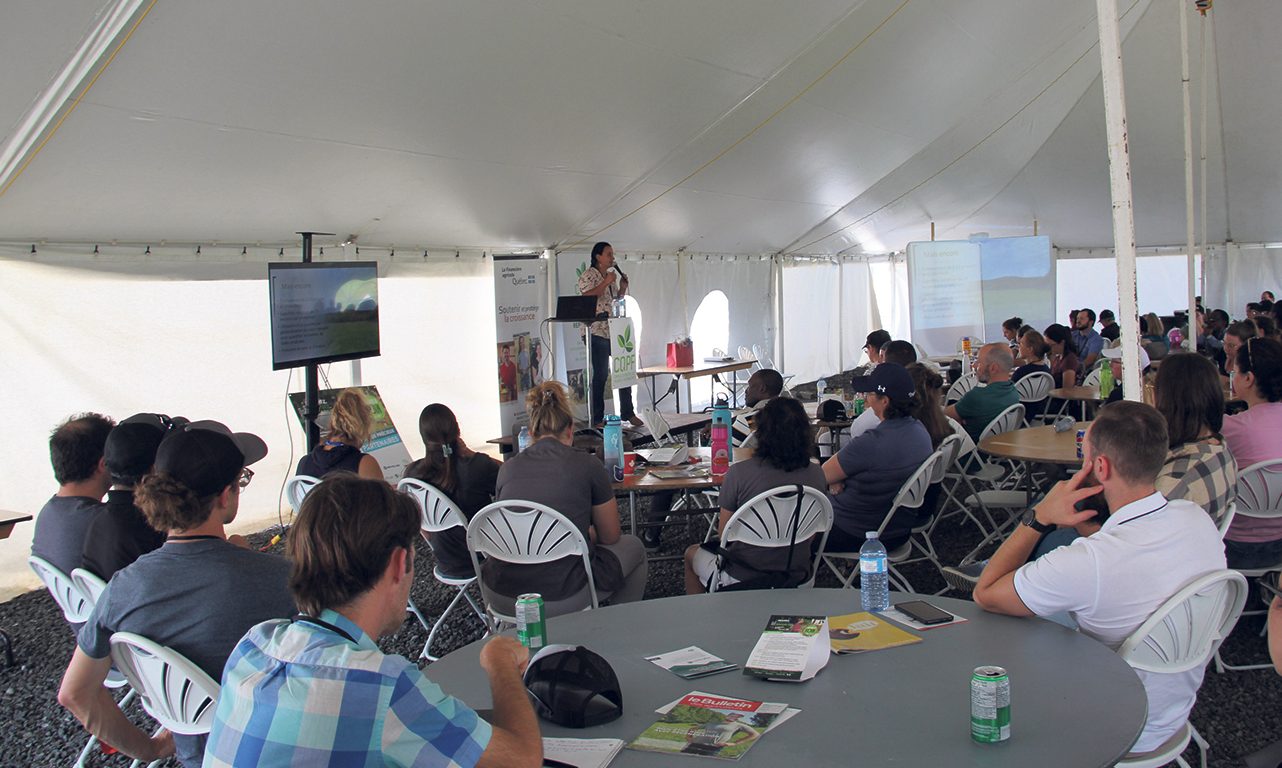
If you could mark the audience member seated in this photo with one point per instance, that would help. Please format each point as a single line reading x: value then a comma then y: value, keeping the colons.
x: 1126, y: 564
x: 1253, y: 436
x: 981, y: 405
x: 76, y: 452
x: 1267, y: 327
x: 1108, y: 327
x: 1153, y: 336
x: 465, y: 476
x: 899, y: 352
x: 316, y: 689
x: 763, y: 386
x: 120, y: 534
x: 350, y: 424
x: 782, y: 457
x: 1235, y: 336
x: 1065, y: 366
x: 928, y: 404
x: 1086, y: 342
x: 1199, y: 467
x: 1215, y: 324
x: 197, y: 594
x: 1116, y: 367
x: 1010, y: 332
x: 576, y: 484
x: 873, y: 344
x: 866, y: 474
x: 1032, y: 351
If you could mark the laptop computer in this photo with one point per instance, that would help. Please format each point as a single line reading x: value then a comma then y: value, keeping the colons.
x: 575, y: 308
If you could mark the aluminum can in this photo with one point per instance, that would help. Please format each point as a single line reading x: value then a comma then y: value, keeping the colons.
x: 531, y: 626
x: 1081, y: 435
x: 989, y: 705
x: 859, y: 405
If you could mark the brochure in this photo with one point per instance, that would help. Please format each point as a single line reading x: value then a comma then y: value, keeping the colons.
x: 903, y: 618
x: 782, y: 718
x: 582, y: 753
x: 691, y: 662
x: 709, y: 726
x: 790, y: 648
x: 861, y: 632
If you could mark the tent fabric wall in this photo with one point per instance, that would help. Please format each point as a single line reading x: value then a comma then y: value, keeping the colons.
x: 78, y: 340
x: 812, y: 295
x: 746, y: 283
x: 1236, y: 275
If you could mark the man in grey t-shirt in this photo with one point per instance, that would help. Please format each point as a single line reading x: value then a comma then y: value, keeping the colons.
x: 198, y: 594
x: 76, y: 452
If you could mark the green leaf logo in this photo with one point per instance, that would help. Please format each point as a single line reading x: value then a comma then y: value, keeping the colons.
x: 625, y: 339
x: 579, y: 270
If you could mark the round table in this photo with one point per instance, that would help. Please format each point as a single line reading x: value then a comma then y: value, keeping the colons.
x: 1038, y: 444
x: 1082, y: 395
x: 1074, y: 703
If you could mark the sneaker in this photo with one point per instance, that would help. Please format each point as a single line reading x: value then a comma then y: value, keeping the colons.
x: 963, y: 578
x: 652, y: 538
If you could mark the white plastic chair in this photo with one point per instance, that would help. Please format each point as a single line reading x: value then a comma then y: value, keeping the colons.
x: 960, y: 387
x: 765, y: 520
x: 1092, y: 378
x: 526, y: 533
x: 89, y: 584
x: 440, y: 514
x: 764, y: 361
x: 175, y: 692
x: 1182, y: 635
x: 1227, y: 519
x: 1034, y: 388
x: 911, y: 495
x: 1259, y: 495
x: 296, y: 489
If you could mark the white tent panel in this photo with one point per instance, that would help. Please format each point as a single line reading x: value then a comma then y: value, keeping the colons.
x: 811, y: 299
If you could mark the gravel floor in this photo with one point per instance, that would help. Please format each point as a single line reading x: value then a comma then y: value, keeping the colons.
x: 1237, y: 712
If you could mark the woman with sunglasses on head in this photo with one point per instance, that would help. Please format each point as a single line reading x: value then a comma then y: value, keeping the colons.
x: 1253, y: 436
x: 1199, y: 467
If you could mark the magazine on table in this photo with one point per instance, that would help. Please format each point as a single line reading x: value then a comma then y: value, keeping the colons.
x: 862, y: 632
x: 708, y: 725
x: 792, y: 648
x: 691, y: 662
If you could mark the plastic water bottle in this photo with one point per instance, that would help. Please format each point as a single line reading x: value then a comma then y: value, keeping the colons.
x: 720, y: 449
x: 523, y: 440
x: 614, y: 447
x: 821, y: 386
x: 721, y: 415
x: 874, y: 579
x: 1106, y: 381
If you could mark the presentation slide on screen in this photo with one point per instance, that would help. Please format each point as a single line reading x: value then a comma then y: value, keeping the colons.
x: 968, y: 287
x: 323, y: 313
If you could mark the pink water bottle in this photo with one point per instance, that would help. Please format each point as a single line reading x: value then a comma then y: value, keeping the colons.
x: 720, y: 449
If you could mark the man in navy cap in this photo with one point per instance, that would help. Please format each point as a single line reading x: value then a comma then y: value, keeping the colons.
x: 197, y: 594
x: 120, y: 533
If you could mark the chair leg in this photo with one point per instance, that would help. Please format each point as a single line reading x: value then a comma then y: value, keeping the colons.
x: 1202, y: 746
x: 412, y: 608
x: 431, y: 635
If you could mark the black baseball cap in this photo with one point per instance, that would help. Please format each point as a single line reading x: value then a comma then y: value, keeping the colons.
x: 206, y: 456
x: 889, y: 379
x: 131, y: 446
x: 877, y: 339
x: 573, y: 686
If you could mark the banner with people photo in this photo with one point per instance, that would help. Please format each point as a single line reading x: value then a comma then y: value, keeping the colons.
x: 572, y: 355
x: 520, y: 301
x: 384, y: 442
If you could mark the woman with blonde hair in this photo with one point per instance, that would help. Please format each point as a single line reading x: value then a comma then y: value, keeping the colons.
x: 350, y: 424
x: 576, y: 484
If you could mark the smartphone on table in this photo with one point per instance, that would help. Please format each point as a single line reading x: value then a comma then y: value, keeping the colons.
x: 923, y: 612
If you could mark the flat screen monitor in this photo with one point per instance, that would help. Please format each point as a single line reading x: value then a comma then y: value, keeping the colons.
x: 322, y: 312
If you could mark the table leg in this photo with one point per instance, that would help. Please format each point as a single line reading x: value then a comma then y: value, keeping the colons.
x: 632, y: 511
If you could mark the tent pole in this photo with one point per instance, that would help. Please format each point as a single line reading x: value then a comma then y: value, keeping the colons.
x: 1190, y: 342
x: 1119, y: 171
x: 1206, y: 87
x: 311, y: 384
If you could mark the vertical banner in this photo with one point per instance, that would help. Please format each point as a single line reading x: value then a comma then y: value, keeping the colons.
x: 572, y: 358
x: 384, y: 444
x: 520, y: 291
x: 623, y: 353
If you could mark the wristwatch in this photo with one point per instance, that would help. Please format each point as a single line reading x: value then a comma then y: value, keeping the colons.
x: 1030, y: 519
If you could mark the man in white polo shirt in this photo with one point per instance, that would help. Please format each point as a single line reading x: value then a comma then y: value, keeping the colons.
x: 1116, y: 575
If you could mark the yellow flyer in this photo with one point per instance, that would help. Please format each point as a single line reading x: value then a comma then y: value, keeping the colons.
x: 860, y: 632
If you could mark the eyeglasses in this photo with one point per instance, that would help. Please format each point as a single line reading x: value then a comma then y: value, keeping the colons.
x: 1250, y: 363
x: 246, y: 475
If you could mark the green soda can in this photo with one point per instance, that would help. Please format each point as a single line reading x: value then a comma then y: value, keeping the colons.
x: 531, y: 627
x: 859, y: 405
x: 989, y: 705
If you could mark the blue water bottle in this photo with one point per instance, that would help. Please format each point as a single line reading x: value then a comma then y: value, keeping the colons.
x: 614, y: 447
x: 721, y: 415
x: 523, y: 440
x: 874, y: 579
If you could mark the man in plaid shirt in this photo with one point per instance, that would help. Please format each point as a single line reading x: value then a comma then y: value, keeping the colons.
x: 316, y: 690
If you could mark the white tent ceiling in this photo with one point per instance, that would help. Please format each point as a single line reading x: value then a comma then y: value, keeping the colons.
x: 734, y: 126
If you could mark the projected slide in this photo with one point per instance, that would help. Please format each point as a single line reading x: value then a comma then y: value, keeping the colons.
x: 1018, y: 281
x: 944, y: 294
x: 323, y: 312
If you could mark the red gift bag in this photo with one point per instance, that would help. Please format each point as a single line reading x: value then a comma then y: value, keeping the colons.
x: 680, y: 355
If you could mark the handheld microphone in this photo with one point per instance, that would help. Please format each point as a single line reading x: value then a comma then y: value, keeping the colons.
x: 620, y: 271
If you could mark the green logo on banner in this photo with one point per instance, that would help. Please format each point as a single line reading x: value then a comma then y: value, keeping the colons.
x: 625, y: 339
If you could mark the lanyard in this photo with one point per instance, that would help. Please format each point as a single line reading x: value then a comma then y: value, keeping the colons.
x: 322, y: 624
